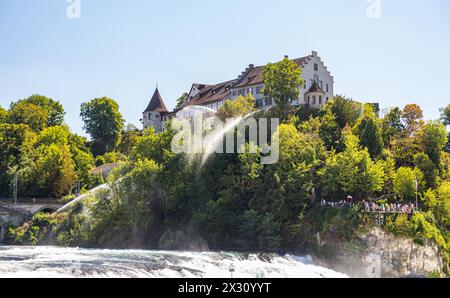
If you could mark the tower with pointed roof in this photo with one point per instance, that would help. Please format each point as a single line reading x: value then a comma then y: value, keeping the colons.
x: 315, y: 96
x: 153, y: 114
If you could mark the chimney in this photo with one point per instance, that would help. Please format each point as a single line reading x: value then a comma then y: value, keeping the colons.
x: 314, y: 53
x: 251, y: 66
x: 286, y: 57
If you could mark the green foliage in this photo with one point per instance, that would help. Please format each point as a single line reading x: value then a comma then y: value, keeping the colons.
x: 445, y: 117
x: 369, y: 132
x: 281, y: 84
x: 345, y: 110
x: 439, y: 202
x: 420, y: 226
x: 36, y: 231
x: 427, y: 167
x: 103, y: 121
x: 29, y: 114
x: 54, y: 110
x: 392, y: 124
x: 159, y: 199
x: 241, y: 106
x: 181, y: 100
x: 128, y: 140
x: 405, y: 182
x: 433, y: 140
x: 3, y: 115
x: 55, y: 170
x: 154, y: 146
x: 54, y: 135
x: 353, y: 171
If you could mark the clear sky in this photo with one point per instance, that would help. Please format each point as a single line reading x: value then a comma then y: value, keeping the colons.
x: 120, y: 48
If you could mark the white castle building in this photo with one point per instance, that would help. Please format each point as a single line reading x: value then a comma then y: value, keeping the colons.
x: 318, y: 89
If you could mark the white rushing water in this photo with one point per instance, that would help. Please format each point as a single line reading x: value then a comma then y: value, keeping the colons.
x: 51, y: 262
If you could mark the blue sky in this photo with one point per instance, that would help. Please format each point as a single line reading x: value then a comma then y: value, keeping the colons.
x: 120, y: 48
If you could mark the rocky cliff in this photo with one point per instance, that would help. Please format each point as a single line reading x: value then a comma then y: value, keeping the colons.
x: 379, y: 254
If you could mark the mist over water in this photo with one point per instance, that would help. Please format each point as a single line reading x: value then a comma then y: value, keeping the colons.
x: 47, y: 261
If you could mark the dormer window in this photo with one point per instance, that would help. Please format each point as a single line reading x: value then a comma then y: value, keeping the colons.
x: 316, y: 67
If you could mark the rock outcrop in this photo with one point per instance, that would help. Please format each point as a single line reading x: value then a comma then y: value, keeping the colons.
x: 379, y: 254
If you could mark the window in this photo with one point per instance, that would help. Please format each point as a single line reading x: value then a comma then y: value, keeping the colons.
x: 250, y: 91
x: 327, y: 99
x: 258, y: 90
x: 156, y: 116
x: 309, y: 99
x: 320, y: 99
x: 314, y: 99
x: 233, y: 93
x: 316, y: 66
x: 327, y: 87
x: 321, y: 85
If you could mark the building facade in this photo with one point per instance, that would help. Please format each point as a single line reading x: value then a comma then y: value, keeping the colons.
x: 317, y: 90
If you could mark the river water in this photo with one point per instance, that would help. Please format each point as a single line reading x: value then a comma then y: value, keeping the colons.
x: 47, y: 261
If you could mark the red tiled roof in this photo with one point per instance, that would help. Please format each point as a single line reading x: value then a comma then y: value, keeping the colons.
x: 255, y: 76
x: 210, y: 94
x: 156, y: 104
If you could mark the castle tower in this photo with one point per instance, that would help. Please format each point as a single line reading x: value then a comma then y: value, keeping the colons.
x: 153, y: 114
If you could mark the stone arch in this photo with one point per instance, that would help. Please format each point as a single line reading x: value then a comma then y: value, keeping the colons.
x: 47, y: 209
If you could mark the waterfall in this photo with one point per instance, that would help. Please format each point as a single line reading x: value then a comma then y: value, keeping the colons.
x: 82, y: 197
x: 50, y: 261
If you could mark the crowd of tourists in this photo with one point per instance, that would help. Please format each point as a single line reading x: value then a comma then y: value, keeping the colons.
x: 390, y: 207
x: 369, y: 206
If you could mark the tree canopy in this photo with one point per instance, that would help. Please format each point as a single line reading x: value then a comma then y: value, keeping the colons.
x: 103, y: 121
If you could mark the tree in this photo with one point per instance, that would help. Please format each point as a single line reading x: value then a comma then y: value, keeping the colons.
x: 392, y: 124
x: 445, y: 116
x: 412, y: 117
x: 428, y: 168
x: 282, y: 81
x: 241, y: 106
x: 55, y: 170
x: 345, y: 110
x: 369, y: 132
x: 433, y: 139
x: 54, y: 135
x: 181, y: 100
x: 3, y: 115
x: 129, y: 139
x: 16, y: 143
x: 404, y: 182
x: 353, y: 171
x: 54, y: 109
x: 30, y: 114
x: 439, y: 201
x: 103, y: 121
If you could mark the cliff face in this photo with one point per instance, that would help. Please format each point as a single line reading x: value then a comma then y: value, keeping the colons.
x: 396, y: 257
x: 377, y: 254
